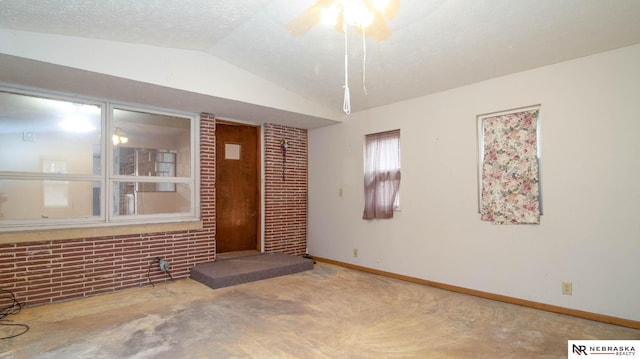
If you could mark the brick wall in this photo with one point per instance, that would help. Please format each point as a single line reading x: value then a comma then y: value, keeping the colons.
x: 208, y: 174
x: 48, y: 271
x: 44, y: 272
x: 285, y: 198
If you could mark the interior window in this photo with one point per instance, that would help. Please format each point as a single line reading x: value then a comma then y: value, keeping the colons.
x: 52, y: 159
x: 382, y: 174
x: 154, y: 161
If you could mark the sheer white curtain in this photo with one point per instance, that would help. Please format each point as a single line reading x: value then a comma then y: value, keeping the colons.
x: 381, y: 174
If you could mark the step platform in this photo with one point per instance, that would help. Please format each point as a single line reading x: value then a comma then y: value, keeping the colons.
x: 231, y: 271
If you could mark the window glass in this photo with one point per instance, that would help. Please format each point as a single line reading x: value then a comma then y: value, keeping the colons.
x: 149, y: 144
x: 51, y: 163
x: 22, y: 200
x: 144, y: 198
x: 154, y: 150
x: 35, y: 130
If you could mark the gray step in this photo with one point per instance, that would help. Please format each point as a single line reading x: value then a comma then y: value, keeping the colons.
x: 238, y: 270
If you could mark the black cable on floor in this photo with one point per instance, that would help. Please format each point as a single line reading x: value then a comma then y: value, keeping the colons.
x: 149, y: 273
x: 14, y: 307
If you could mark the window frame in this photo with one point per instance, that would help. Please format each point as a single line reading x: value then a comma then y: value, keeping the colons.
x: 396, y: 203
x: 107, y: 177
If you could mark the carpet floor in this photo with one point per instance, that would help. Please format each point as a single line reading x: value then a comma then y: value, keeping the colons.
x: 326, y: 312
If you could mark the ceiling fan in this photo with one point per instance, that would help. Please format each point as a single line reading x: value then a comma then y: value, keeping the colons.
x: 365, y: 14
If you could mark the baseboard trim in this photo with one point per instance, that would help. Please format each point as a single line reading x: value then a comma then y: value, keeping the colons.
x: 502, y: 298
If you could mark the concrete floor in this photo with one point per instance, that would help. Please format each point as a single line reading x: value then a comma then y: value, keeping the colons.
x: 327, y: 312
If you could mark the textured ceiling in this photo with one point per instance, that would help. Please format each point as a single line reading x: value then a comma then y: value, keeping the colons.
x: 434, y: 44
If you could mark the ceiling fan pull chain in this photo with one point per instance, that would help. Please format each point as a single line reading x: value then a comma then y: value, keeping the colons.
x: 364, y: 61
x: 346, y: 107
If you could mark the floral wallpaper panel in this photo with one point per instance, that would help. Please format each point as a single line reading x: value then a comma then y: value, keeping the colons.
x: 510, y: 191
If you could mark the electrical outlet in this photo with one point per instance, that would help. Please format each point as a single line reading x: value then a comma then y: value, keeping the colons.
x: 355, y: 253
x: 340, y: 192
x: 567, y: 288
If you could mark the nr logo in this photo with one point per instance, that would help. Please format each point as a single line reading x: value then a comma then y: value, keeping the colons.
x: 580, y: 349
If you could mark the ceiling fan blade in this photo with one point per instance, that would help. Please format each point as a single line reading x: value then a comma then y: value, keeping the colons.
x: 379, y: 29
x: 339, y: 22
x: 391, y: 9
x: 369, y: 5
x: 308, y: 19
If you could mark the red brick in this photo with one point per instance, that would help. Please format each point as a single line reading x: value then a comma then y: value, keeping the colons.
x: 44, y: 272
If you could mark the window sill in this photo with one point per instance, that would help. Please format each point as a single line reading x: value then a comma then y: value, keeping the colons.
x: 105, y: 231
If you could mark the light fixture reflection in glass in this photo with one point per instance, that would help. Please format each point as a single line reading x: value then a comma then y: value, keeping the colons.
x: 76, y: 123
x: 119, y: 137
x: 76, y: 117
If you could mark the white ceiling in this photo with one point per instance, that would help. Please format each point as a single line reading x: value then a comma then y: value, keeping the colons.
x: 434, y: 45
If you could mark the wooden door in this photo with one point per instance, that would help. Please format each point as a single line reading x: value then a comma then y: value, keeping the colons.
x: 237, y: 187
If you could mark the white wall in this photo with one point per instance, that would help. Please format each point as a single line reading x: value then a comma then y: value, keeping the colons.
x: 590, y: 230
x: 173, y: 68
